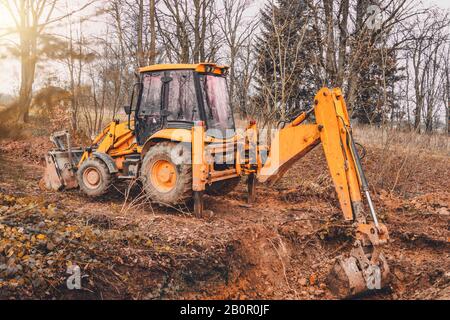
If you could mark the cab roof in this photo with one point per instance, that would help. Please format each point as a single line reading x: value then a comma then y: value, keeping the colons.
x: 199, y: 67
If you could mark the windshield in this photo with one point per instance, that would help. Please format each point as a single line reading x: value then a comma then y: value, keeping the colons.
x: 219, y: 115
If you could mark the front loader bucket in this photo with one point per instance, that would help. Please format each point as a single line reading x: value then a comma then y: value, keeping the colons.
x: 59, y: 172
x: 51, y: 179
x: 61, y: 164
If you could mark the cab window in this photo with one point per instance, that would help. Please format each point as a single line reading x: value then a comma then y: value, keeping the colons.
x: 217, y: 105
x: 182, y: 100
x: 151, y: 95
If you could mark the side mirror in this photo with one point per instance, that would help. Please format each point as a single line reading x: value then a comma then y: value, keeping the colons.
x: 127, y: 110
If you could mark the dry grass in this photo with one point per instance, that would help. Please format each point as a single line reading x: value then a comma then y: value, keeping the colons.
x: 405, y: 162
x: 403, y: 141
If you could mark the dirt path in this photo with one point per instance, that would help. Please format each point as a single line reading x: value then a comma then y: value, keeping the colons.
x: 280, y: 248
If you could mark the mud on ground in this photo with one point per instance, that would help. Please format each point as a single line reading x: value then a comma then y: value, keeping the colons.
x: 282, y: 247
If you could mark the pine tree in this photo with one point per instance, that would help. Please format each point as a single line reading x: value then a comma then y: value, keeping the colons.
x: 285, y: 80
x: 376, y: 96
x: 294, y: 61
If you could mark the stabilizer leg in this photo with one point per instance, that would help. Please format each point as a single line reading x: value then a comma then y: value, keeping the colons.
x: 251, y: 187
x: 198, y: 204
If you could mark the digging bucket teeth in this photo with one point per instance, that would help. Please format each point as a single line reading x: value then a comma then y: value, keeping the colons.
x: 365, y: 268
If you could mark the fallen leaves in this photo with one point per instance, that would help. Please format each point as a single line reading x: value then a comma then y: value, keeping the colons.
x: 41, y: 237
x: 36, y: 243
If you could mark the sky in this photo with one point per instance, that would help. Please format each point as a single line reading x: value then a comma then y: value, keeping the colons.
x: 10, y: 69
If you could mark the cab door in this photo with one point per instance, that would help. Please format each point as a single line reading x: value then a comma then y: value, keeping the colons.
x: 148, y: 117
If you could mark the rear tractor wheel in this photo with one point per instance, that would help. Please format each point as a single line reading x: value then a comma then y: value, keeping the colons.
x: 94, y: 178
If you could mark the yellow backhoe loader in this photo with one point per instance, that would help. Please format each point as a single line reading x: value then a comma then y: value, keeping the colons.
x: 180, y: 140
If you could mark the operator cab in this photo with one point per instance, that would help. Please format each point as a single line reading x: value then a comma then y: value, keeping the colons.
x: 175, y: 96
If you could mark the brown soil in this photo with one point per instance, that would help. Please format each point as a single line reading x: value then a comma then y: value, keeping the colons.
x: 280, y: 248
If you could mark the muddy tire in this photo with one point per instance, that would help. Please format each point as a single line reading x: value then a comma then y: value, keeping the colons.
x: 166, y: 173
x: 222, y: 188
x: 94, y: 178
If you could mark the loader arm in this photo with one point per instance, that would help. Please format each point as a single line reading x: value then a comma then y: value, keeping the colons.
x: 366, y: 266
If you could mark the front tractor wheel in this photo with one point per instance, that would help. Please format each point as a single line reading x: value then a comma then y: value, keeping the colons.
x: 167, y: 173
x: 94, y: 178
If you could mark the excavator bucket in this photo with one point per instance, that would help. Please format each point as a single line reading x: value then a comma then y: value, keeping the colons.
x: 61, y: 165
x: 355, y: 273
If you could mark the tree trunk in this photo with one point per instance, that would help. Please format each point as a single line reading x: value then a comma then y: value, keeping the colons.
x: 418, y: 113
x: 152, y: 58
x: 343, y: 36
x: 140, y: 31
x: 429, y: 119
x: 330, y: 51
x: 28, y: 40
x: 446, y: 93
x: 197, y: 37
x: 448, y: 115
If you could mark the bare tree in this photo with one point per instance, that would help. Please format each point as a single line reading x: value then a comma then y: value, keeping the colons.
x: 280, y: 57
x: 446, y: 90
x: 244, y: 77
x: 187, y: 30
x: 345, y: 51
x: 152, y: 18
x: 31, y: 18
x: 428, y: 36
x: 237, y: 29
x: 140, y: 31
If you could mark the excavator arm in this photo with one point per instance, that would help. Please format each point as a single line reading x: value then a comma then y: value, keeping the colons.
x: 365, y: 267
